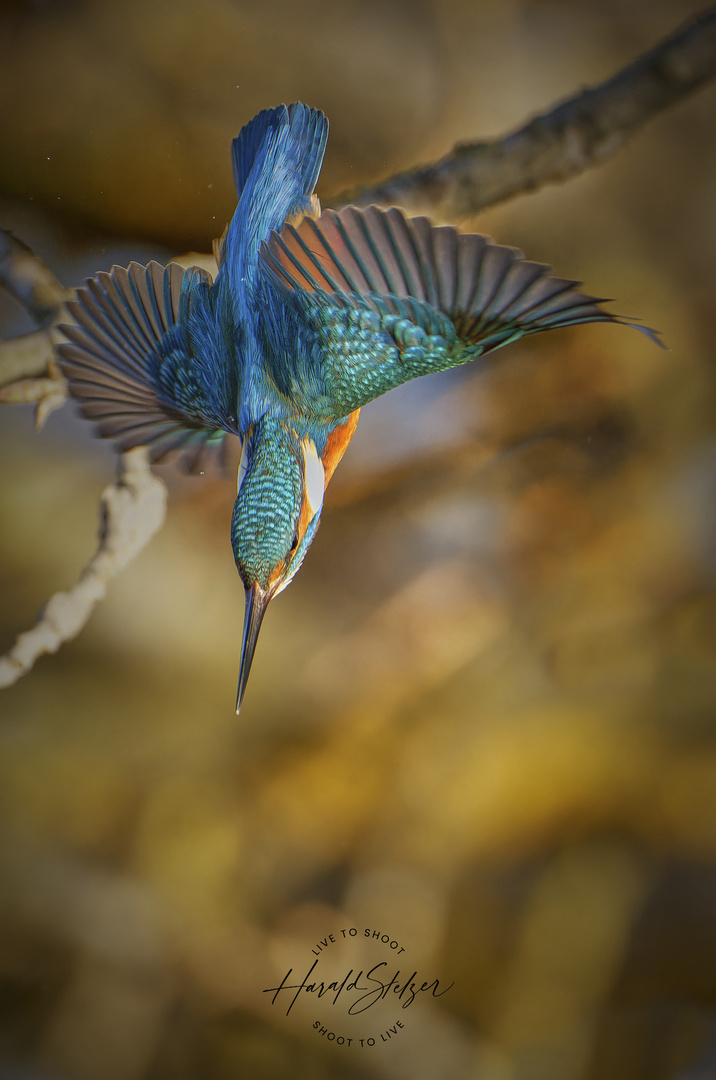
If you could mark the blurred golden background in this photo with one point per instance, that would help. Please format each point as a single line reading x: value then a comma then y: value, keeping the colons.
x: 482, y: 718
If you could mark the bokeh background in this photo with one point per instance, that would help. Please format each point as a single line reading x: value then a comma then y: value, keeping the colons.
x: 482, y: 718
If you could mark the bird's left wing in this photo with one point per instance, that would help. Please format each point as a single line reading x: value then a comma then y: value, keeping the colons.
x: 146, y: 358
x: 379, y: 299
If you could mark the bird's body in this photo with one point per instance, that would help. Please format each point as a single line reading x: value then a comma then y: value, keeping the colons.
x: 310, y: 317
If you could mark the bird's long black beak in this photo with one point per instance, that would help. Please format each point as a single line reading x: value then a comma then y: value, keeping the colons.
x: 257, y: 600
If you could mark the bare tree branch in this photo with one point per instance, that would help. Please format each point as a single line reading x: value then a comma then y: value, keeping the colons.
x: 132, y: 510
x: 573, y: 136
x: 25, y: 357
x: 29, y: 373
x: 27, y: 278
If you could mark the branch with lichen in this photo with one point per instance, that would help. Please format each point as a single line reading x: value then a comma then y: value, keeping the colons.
x: 132, y: 510
x: 571, y: 137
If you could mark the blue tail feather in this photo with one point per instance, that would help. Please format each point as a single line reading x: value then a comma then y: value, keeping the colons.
x: 302, y: 130
x: 309, y: 130
x: 277, y: 158
x: 248, y: 143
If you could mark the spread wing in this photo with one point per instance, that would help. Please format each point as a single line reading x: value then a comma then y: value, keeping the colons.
x: 379, y: 299
x: 149, y: 360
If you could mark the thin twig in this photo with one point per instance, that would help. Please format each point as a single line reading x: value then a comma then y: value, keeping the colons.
x: 573, y: 136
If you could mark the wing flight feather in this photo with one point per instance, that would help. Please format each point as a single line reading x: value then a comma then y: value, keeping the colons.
x: 128, y: 339
x: 480, y: 285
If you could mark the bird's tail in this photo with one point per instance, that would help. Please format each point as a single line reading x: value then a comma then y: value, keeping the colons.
x: 302, y: 130
x: 276, y: 158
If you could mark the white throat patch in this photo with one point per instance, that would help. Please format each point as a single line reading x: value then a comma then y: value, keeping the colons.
x: 315, y: 476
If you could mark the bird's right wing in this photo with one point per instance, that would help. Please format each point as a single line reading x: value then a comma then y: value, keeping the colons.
x: 146, y: 359
x: 380, y: 299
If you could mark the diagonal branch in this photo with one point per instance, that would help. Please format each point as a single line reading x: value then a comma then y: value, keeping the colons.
x: 573, y: 136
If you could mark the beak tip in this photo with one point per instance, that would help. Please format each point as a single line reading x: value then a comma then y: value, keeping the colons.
x: 239, y: 700
x: 256, y: 602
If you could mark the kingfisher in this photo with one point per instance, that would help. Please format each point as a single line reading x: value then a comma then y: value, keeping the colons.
x: 310, y: 316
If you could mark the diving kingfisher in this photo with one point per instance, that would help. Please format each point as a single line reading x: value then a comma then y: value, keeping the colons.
x: 310, y: 316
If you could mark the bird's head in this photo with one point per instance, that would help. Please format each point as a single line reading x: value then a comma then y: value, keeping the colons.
x: 281, y: 484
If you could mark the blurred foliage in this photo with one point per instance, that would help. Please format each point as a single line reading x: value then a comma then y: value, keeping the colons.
x: 482, y: 718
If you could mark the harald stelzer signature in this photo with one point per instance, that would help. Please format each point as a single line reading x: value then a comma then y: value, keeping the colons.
x: 372, y: 990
